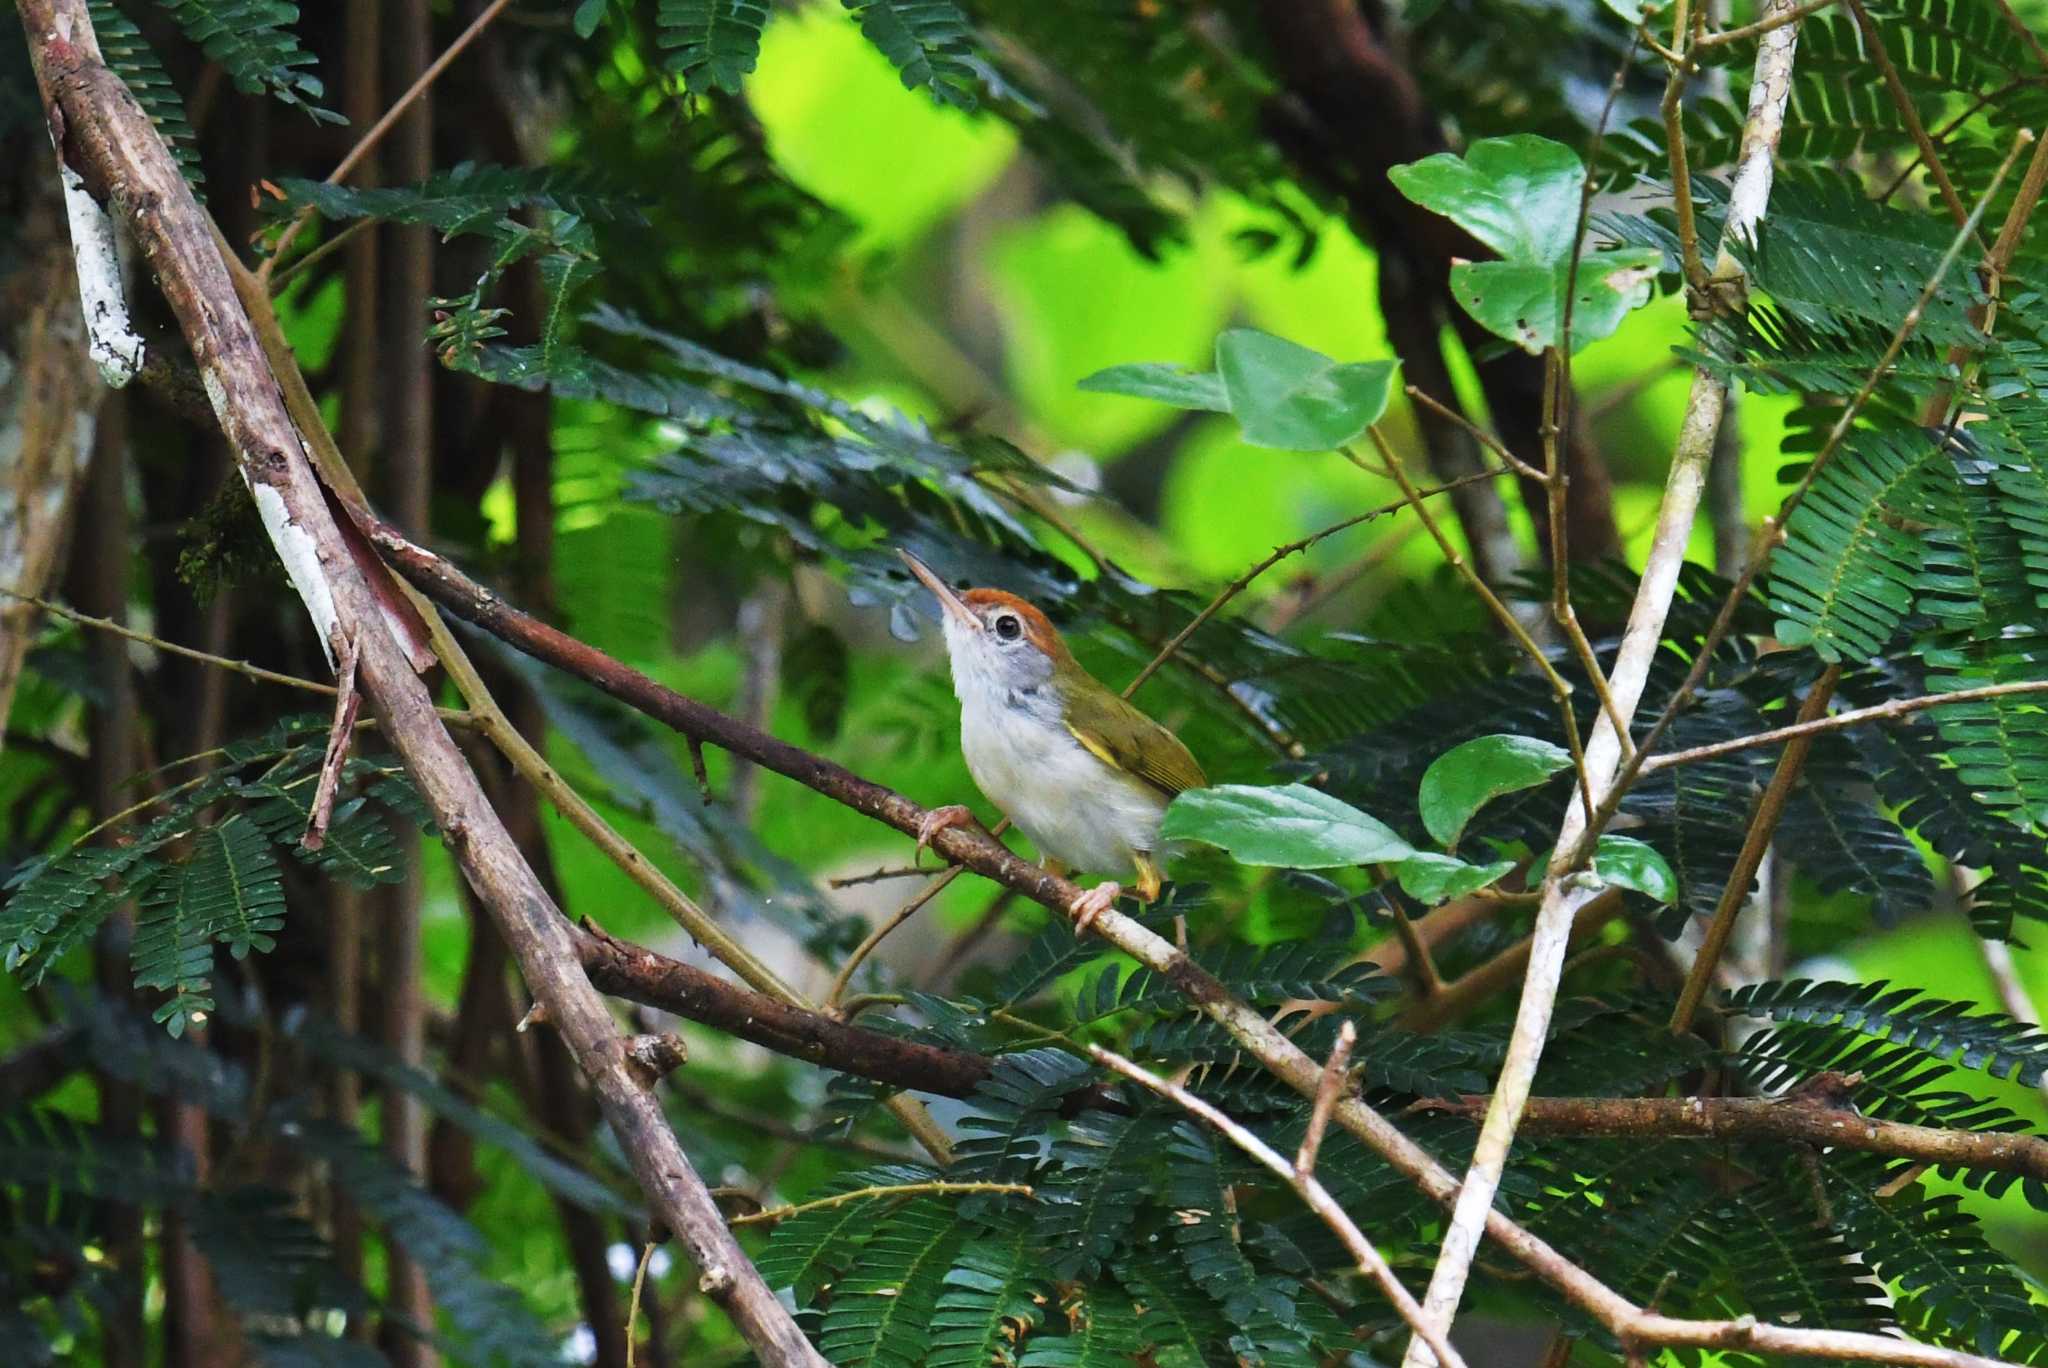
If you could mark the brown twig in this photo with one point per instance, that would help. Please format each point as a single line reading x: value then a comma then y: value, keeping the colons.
x: 1908, y: 112
x: 1281, y: 553
x: 771, y: 1215
x: 116, y: 146
x: 1771, y: 1119
x: 346, y: 702
x: 1755, y: 842
x: 1335, y: 1077
x: 1855, y: 717
x: 375, y: 134
x: 101, y: 624
x: 1300, y: 1177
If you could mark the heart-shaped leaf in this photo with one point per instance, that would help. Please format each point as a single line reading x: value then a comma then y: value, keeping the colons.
x: 1466, y: 778
x: 1520, y: 196
x: 1525, y: 304
x: 1168, y: 384
x: 1432, y: 879
x: 1296, y: 399
x: 1289, y: 825
x: 1628, y: 863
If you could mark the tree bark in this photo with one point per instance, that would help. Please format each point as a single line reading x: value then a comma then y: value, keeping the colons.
x: 111, y: 142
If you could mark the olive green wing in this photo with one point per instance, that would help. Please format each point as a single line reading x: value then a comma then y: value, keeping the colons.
x: 1119, y: 735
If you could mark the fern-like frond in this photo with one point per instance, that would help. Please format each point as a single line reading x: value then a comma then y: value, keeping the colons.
x: 492, y: 1318
x: 1088, y: 1203
x: 1957, y: 1032
x: 1834, y: 833
x: 1999, y: 745
x: 254, y: 43
x: 1967, y: 1294
x: 1011, y: 1107
x: 713, y: 43
x: 229, y: 891
x: 1206, y: 1230
x: 359, y: 849
x: 881, y: 1312
x: 1845, y: 578
x: 927, y: 41
x: 136, y: 63
x: 993, y: 1299
x: 49, y: 1149
x: 267, y: 1259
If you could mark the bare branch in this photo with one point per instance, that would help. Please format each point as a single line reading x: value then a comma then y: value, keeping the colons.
x: 1302, y: 1179
x: 1565, y: 893
x: 1756, y: 1118
x: 1334, y: 1079
x: 112, y: 142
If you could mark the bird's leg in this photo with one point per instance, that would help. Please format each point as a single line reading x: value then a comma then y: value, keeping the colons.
x: 1149, y: 879
x: 936, y: 821
x: 1093, y: 904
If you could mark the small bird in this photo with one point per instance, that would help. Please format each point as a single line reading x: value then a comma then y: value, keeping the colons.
x: 1081, y: 772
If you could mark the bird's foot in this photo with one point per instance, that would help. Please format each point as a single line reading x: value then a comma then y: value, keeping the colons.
x: 1093, y: 904
x: 936, y: 821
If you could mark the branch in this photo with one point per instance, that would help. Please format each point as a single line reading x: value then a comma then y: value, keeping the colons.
x: 1756, y: 1118
x: 1565, y: 892
x: 1301, y: 1177
x: 368, y: 142
x: 770, y: 1215
x: 1897, y: 707
x: 1253, y: 1032
x: 115, y: 145
x: 1755, y: 842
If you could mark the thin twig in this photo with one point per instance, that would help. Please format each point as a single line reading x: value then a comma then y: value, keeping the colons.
x: 770, y: 1215
x: 1755, y: 842
x: 1559, y: 686
x: 1477, y: 433
x: 633, y: 1303
x: 1903, y: 102
x: 240, y: 667
x: 368, y: 142
x: 1281, y: 553
x: 1303, y: 1181
x: 1565, y: 892
x: 1760, y: 27
x: 1897, y: 707
x: 1335, y: 1076
x: 346, y: 702
x: 1768, y: 537
x: 882, y: 875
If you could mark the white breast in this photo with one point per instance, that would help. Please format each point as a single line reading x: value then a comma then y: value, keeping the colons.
x: 1082, y: 812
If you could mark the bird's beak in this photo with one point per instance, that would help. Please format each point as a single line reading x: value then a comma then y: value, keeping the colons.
x: 948, y: 600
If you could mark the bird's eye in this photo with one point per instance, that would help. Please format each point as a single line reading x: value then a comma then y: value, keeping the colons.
x: 1008, y: 628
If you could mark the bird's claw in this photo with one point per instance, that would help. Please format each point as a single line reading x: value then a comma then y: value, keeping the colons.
x: 938, y: 820
x: 1093, y: 904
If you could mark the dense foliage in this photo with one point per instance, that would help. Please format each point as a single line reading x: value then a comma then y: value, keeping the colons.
x: 688, y: 315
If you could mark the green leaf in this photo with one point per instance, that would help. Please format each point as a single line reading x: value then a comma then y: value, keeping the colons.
x: 1628, y: 863
x: 1466, y: 778
x: 1167, y: 383
x: 1432, y: 879
x: 715, y: 42
x: 1525, y: 304
x: 1296, y: 399
x: 926, y: 41
x: 1290, y: 825
x: 1520, y: 196
x: 589, y: 15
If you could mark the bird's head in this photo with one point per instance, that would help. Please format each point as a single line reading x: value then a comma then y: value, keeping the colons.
x: 998, y: 642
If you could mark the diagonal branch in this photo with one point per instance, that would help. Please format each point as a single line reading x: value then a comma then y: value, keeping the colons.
x: 1564, y: 891
x: 1257, y: 1036
x: 119, y: 153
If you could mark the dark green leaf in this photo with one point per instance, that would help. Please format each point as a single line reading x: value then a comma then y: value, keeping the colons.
x: 1628, y: 863
x: 1288, y: 396
x: 1432, y: 879
x: 1167, y: 383
x: 1290, y: 825
x: 1466, y: 778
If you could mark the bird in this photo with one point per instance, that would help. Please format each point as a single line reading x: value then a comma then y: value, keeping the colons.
x: 1078, y: 770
